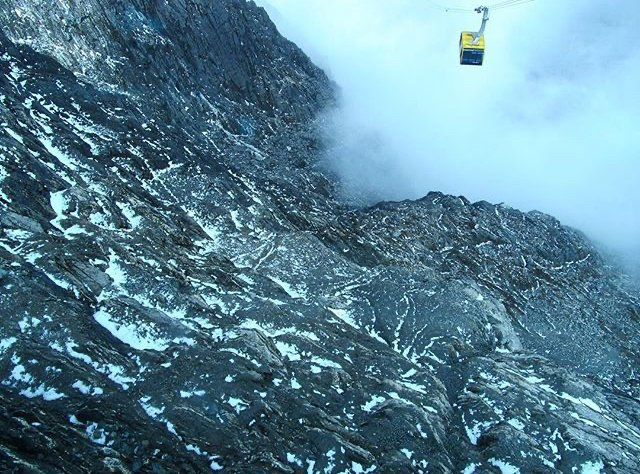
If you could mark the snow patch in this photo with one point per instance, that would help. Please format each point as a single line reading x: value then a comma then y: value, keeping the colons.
x: 582, y: 401
x: 95, y: 434
x: 288, y: 350
x: 87, y: 389
x: 289, y: 289
x: 238, y: 404
x: 62, y: 157
x: 13, y: 134
x: 409, y: 373
x: 293, y: 459
x: 134, y: 335
x: 343, y: 315
x: 59, y: 203
x: 325, y: 363
x: 152, y: 411
x: 505, y: 468
x: 7, y: 343
x: 375, y: 400
x: 271, y: 331
x: 112, y: 371
x: 193, y: 393
x: 475, y: 431
x: 47, y: 394
x: 592, y: 467
x: 128, y: 212
x: 115, y: 271
x: 415, y: 387
x: 357, y: 468
x: 470, y: 469
x: 517, y: 424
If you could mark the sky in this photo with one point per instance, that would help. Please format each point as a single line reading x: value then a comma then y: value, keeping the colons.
x: 549, y: 122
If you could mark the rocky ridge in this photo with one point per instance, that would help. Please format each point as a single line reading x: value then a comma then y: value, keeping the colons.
x: 182, y: 289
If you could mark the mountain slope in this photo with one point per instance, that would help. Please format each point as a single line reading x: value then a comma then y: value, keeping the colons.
x: 183, y: 290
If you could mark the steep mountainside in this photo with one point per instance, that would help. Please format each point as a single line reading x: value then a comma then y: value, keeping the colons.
x: 182, y: 289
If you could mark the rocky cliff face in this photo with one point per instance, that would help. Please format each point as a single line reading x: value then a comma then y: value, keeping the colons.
x: 181, y: 289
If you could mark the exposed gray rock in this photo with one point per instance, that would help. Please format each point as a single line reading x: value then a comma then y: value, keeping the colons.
x: 182, y: 289
x: 16, y: 221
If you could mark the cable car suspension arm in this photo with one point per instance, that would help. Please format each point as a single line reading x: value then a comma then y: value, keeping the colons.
x: 485, y: 18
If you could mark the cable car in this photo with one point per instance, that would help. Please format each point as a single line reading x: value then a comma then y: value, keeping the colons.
x: 472, y: 44
x: 471, y: 51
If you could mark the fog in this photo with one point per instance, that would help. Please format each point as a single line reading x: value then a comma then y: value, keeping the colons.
x: 549, y: 122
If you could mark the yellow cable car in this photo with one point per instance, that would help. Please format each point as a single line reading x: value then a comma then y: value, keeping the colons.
x: 471, y: 51
x: 472, y: 44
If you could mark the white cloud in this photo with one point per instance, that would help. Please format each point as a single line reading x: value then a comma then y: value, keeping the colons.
x: 550, y: 122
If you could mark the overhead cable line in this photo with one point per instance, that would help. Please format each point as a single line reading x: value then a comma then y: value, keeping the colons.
x: 512, y: 3
x: 448, y: 9
x: 494, y: 6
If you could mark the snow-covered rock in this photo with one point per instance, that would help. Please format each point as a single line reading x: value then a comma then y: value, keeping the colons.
x: 182, y: 288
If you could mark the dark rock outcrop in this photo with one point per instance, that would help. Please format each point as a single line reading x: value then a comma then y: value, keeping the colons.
x: 182, y: 290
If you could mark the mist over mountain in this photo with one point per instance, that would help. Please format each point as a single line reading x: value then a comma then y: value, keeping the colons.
x: 548, y: 122
x: 185, y: 285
